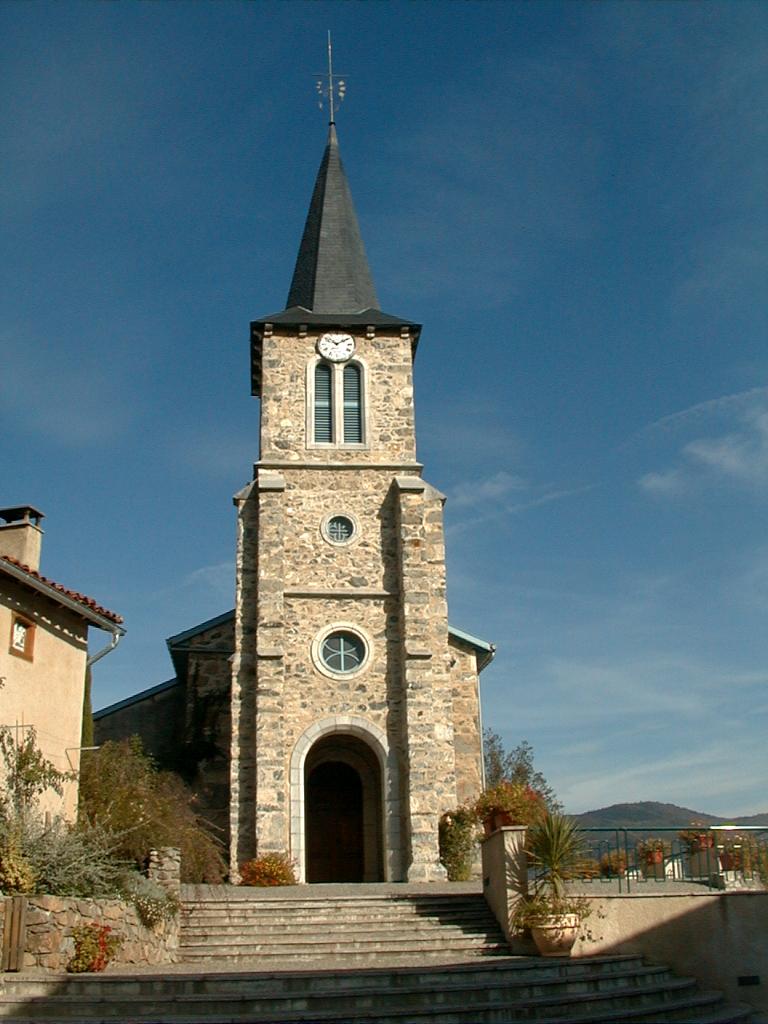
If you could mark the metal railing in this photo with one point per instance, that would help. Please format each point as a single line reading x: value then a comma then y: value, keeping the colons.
x: 717, y: 856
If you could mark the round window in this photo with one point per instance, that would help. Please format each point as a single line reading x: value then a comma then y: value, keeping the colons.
x: 340, y: 528
x: 342, y: 652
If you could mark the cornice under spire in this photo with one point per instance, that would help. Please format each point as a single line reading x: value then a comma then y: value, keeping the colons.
x: 331, y: 273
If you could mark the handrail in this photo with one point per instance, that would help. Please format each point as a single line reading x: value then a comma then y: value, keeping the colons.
x: 706, y: 863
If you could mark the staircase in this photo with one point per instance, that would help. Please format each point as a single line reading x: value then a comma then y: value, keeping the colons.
x: 243, y: 924
x: 383, y: 957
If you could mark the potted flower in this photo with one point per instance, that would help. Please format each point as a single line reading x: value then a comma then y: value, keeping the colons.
x: 509, y: 803
x: 699, y: 843
x: 613, y: 864
x: 650, y: 853
x: 552, y: 914
x: 697, y: 839
x: 732, y: 853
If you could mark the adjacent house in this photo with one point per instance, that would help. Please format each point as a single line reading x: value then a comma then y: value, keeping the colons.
x: 44, y: 650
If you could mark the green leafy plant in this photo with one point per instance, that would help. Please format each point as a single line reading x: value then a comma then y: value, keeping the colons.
x: 26, y: 773
x: 457, y: 832
x: 271, y: 869
x: 95, y: 945
x: 556, y: 852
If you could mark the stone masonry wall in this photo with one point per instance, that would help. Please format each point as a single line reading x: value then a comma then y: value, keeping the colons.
x: 50, y: 920
x: 430, y: 779
x: 388, y: 383
x: 466, y: 722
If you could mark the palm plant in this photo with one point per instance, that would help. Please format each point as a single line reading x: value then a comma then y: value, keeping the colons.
x: 556, y: 849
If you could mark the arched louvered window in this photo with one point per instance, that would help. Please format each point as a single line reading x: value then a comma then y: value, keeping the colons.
x: 323, y: 418
x: 353, y: 405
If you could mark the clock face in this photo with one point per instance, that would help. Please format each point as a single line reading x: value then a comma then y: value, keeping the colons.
x: 336, y: 347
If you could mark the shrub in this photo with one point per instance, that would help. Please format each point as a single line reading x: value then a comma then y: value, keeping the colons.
x: 271, y: 869
x: 153, y: 903
x: 141, y: 808
x: 95, y: 946
x: 457, y: 833
x: 524, y: 805
x: 16, y: 873
x: 72, y: 860
x: 613, y: 864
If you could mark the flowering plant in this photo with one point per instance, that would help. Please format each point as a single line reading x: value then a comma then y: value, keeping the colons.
x: 697, y: 837
x: 271, y: 869
x: 648, y: 849
x: 95, y: 946
x: 524, y: 805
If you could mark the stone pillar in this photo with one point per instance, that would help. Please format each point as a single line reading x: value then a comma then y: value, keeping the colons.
x: 505, y: 873
x: 430, y: 776
x: 165, y: 869
x: 242, y: 827
x: 271, y: 760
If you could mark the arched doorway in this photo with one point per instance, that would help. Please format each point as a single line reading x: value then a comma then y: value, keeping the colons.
x: 342, y: 809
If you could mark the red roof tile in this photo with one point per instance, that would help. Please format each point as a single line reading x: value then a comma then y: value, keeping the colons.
x: 73, y: 595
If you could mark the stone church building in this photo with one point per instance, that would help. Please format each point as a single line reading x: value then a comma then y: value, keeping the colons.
x: 334, y: 714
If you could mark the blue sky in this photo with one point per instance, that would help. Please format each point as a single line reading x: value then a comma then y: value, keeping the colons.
x: 570, y: 198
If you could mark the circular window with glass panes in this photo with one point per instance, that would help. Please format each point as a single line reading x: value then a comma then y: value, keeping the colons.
x: 341, y: 650
x: 339, y: 528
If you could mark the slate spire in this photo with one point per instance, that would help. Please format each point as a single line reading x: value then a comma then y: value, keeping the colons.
x: 331, y: 273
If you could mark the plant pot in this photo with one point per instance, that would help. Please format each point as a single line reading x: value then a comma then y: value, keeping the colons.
x: 555, y: 936
x: 730, y: 860
x: 700, y: 863
x: 653, y: 865
x: 703, y: 842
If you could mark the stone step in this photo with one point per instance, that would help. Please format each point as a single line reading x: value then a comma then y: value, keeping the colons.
x: 294, y: 909
x: 274, y: 924
x: 506, y: 971
x: 449, y: 997
x: 220, y: 926
x: 352, y: 952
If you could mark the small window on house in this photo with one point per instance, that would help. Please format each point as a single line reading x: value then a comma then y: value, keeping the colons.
x: 22, y: 637
x: 323, y: 404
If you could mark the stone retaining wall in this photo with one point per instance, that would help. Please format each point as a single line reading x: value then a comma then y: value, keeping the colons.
x: 50, y: 920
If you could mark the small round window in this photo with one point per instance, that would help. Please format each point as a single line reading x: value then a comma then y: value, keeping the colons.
x: 342, y: 652
x: 339, y: 529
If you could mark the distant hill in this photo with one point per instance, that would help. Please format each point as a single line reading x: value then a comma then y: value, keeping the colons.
x: 648, y: 814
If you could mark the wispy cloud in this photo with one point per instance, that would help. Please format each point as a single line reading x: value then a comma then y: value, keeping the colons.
x: 488, y: 489
x: 666, y: 484
x: 738, y: 454
x: 218, y: 579
x: 724, y: 405
x: 508, y: 509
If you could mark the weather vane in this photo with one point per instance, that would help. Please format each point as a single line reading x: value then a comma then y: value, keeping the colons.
x: 335, y: 88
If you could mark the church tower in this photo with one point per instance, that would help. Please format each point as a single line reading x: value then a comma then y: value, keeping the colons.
x: 354, y: 708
